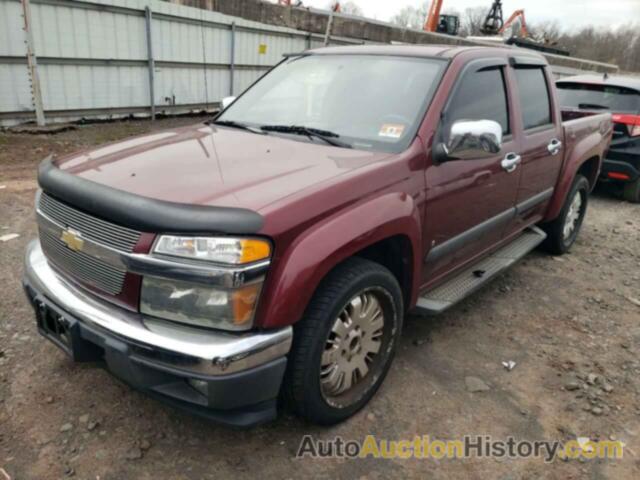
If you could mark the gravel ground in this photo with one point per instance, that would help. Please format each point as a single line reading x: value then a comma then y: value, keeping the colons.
x: 570, y: 324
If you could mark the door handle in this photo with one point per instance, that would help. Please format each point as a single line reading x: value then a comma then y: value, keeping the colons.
x: 554, y: 147
x: 511, y: 162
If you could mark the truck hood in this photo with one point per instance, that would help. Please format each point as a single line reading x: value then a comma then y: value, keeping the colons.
x: 215, y: 166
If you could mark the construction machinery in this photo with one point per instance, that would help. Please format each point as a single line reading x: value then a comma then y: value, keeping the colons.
x: 493, y: 23
x: 435, y: 22
x: 519, y: 35
x: 521, y: 30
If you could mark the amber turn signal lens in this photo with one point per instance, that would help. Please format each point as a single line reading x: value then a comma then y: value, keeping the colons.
x: 244, y: 301
x: 254, y: 250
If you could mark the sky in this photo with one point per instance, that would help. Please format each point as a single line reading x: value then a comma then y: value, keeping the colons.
x: 569, y: 13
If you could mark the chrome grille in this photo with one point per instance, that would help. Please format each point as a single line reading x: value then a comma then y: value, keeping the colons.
x: 103, y: 232
x: 85, y: 268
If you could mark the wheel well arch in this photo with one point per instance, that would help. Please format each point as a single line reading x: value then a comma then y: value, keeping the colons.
x: 368, y: 229
x: 396, y: 254
x: 590, y: 169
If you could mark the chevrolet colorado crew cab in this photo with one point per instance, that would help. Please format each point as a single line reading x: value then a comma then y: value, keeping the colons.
x: 267, y: 258
x: 587, y: 94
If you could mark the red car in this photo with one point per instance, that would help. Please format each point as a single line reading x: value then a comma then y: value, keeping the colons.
x: 621, y: 96
x: 272, y: 253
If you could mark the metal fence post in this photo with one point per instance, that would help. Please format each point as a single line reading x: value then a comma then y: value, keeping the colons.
x: 232, y: 59
x: 327, y: 33
x: 32, y: 62
x: 148, y: 16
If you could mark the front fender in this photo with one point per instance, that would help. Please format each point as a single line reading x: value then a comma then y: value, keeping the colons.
x: 298, y: 271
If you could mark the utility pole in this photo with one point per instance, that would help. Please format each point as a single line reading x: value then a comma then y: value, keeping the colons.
x: 32, y: 62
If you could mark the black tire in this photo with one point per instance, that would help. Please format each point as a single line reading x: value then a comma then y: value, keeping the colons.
x: 302, y: 389
x: 556, y: 243
x: 632, y: 191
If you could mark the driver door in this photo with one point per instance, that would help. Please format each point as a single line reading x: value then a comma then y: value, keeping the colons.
x: 471, y: 202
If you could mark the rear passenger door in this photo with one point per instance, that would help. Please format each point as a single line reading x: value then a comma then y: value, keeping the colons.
x: 539, y: 141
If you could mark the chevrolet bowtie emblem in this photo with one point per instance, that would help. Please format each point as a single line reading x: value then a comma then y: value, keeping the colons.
x: 72, y: 239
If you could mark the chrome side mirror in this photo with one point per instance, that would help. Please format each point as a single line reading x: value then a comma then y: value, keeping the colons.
x: 473, y: 139
x: 226, y: 101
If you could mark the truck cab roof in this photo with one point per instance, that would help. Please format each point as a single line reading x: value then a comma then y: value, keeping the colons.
x: 426, y: 51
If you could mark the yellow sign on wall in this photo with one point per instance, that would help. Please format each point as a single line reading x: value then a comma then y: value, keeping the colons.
x: 262, y: 48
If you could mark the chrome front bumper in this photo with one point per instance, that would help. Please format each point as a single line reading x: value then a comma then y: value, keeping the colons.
x: 159, y: 342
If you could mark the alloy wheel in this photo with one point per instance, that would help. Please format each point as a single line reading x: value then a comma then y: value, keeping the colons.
x: 352, y: 346
x: 572, y: 219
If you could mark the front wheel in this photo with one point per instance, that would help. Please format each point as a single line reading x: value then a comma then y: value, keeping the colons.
x: 344, y: 344
x: 563, y: 231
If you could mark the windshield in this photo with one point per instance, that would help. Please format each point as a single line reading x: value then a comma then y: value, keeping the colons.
x: 589, y: 96
x: 370, y: 102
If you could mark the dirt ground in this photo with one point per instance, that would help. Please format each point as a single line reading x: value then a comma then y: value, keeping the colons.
x: 571, y: 325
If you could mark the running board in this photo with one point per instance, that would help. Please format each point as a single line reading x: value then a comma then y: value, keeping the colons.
x: 472, y: 278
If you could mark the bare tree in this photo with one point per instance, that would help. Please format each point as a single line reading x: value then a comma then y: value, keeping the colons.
x: 631, y: 54
x: 620, y: 46
x: 471, y: 21
x: 412, y: 17
x: 548, y: 32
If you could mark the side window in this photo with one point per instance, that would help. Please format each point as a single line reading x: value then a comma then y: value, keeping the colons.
x: 481, y: 96
x: 534, y: 97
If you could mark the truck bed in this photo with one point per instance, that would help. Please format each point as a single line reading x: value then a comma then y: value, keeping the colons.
x: 580, y: 123
x: 569, y: 114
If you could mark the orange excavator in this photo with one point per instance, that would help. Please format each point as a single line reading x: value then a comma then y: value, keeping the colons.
x: 449, y: 24
x: 523, y: 24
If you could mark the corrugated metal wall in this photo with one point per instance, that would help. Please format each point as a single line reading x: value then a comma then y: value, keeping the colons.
x: 93, y: 58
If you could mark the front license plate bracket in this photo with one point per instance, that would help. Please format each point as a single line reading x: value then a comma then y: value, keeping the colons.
x: 64, y: 331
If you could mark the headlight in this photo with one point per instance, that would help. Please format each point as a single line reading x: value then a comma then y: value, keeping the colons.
x: 208, y: 305
x: 235, y: 251
x: 200, y: 305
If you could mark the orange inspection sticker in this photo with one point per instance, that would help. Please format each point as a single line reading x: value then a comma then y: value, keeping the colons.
x: 392, y: 130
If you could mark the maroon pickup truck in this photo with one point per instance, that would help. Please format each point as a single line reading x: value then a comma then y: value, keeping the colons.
x: 268, y: 257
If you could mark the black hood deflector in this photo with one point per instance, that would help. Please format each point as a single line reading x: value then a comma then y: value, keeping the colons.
x: 143, y: 213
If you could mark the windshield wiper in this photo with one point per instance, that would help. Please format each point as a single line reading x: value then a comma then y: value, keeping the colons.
x: 325, y: 135
x: 234, y: 124
x: 586, y: 106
